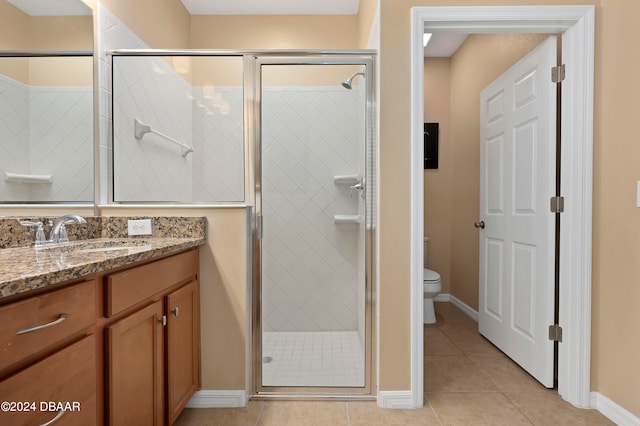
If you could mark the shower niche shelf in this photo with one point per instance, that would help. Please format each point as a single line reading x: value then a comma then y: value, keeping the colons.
x: 348, y: 219
x: 346, y: 179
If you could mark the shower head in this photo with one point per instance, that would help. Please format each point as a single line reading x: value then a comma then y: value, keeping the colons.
x: 347, y: 83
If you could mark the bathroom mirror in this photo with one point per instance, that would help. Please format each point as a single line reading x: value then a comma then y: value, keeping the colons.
x: 46, y: 102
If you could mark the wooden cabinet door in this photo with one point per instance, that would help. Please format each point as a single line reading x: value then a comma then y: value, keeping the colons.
x: 135, y: 368
x: 61, y: 387
x: 183, y: 348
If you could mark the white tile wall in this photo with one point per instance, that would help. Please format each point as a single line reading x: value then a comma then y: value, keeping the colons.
x: 218, y: 138
x: 151, y: 169
x: 310, y: 264
x: 46, y: 131
x: 14, y: 137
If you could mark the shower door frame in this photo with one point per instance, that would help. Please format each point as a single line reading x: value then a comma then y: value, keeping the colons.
x: 253, y: 87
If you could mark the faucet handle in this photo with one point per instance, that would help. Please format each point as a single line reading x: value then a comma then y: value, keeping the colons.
x: 63, y: 237
x: 41, y: 238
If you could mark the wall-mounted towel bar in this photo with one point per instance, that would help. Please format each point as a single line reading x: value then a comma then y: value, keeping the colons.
x: 26, y: 178
x: 140, y: 129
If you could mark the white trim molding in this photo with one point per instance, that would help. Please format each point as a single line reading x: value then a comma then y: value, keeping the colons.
x: 577, y: 26
x: 471, y: 313
x: 613, y: 411
x: 218, y: 399
x: 395, y: 399
x: 446, y: 297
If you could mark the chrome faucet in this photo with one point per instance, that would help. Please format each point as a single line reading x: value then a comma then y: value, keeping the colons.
x: 58, y: 233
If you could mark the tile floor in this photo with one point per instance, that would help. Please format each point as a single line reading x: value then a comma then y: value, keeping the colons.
x: 308, y: 358
x: 467, y: 382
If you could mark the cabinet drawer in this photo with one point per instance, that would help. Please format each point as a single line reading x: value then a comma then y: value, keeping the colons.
x: 68, y: 376
x: 127, y: 288
x: 62, y: 313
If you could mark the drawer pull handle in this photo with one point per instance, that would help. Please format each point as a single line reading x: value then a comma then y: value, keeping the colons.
x: 55, y: 419
x: 175, y: 311
x: 40, y: 327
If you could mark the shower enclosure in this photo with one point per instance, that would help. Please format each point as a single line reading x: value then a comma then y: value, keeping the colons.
x: 314, y: 209
x: 291, y: 135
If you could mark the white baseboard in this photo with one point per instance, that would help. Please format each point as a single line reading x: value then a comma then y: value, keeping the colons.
x: 218, y: 399
x: 613, y: 411
x: 446, y: 297
x: 395, y: 399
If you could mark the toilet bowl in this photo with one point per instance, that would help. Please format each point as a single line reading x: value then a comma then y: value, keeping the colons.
x: 432, y: 285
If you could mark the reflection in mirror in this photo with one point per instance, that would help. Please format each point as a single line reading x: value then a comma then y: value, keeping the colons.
x: 46, y: 102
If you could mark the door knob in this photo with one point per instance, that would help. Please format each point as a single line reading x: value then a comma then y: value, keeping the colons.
x: 479, y: 224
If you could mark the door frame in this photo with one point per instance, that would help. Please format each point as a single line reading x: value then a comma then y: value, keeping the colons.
x: 577, y: 25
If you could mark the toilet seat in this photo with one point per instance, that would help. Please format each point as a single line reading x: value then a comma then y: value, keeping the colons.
x: 430, y: 276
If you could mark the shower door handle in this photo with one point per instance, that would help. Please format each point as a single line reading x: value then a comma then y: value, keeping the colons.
x: 479, y: 225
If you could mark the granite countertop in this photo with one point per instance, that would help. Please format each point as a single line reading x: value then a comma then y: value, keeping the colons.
x: 26, y: 268
x: 99, y: 245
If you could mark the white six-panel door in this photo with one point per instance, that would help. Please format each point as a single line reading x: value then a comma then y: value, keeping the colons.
x: 517, y: 179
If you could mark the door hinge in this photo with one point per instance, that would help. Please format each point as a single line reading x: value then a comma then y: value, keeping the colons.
x: 557, y: 204
x: 558, y: 74
x: 555, y: 333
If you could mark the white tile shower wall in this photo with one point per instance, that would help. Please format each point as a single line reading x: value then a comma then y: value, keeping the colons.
x: 310, y: 264
x: 152, y: 168
x: 61, y: 135
x: 46, y: 131
x: 113, y: 34
x: 218, y: 139
x: 14, y: 137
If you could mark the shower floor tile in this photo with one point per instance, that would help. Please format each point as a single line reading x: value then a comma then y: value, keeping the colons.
x: 322, y: 358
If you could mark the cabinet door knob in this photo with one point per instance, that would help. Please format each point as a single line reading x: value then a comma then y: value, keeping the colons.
x: 163, y: 320
x: 175, y: 311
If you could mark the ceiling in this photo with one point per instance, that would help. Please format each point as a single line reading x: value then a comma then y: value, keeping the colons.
x: 52, y: 7
x: 443, y: 45
x: 272, y: 7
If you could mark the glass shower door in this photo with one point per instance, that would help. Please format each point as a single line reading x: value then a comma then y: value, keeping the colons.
x: 312, y: 184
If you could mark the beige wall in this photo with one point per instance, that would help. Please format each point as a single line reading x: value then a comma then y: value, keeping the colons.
x: 13, y: 25
x: 19, y: 31
x: 273, y: 32
x: 437, y: 182
x: 161, y: 24
x: 366, y: 15
x: 223, y: 291
x: 470, y: 73
x: 616, y: 220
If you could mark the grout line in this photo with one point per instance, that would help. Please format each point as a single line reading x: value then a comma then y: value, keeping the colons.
x: 260, y: 413
x: 516, y: 407
x: 433, y: 410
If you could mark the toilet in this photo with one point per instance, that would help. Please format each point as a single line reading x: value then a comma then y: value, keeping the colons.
x: 432, y: 286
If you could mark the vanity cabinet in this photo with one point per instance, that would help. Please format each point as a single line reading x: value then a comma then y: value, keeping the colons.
x: 48, y: 362
x: 153, y: 344
x: 118, y: 347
